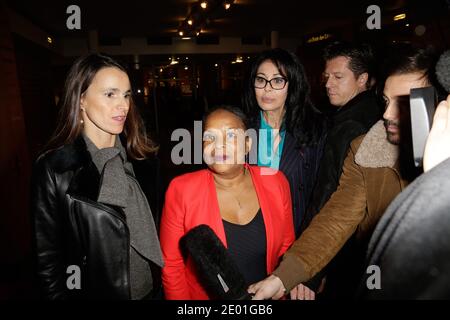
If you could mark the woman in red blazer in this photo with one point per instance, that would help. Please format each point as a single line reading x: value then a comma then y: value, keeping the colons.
x: 248, y: 207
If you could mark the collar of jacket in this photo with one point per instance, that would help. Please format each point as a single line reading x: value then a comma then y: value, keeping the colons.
x: 353, y: 109
x: 375, y: 151
x: 85, y: 182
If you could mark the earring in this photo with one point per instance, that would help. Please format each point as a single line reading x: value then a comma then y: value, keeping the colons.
x: 81, y: 121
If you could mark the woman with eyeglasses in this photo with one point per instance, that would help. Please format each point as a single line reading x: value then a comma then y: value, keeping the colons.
x: 291, y: 130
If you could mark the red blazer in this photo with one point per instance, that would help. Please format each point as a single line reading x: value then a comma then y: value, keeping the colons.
x: 191, y: 200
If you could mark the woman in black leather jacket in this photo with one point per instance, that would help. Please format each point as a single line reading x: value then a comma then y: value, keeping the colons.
x: 94, y: 230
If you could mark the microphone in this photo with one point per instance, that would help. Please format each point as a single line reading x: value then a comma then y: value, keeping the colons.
x: 423, y: 102
x: 215, y: 269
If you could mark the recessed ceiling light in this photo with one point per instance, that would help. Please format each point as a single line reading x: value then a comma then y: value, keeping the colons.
x: 400, y: 16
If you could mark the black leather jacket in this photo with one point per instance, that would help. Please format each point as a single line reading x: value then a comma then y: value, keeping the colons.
x: 70, y: 228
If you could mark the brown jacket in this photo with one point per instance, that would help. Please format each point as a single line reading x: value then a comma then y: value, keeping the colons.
x: 370, y: 180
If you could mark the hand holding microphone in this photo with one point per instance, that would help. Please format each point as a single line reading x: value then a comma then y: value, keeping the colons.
x: 437, y: 148
x: 423, y: 108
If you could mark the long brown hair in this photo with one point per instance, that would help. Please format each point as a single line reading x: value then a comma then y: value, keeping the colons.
x: 69, y: 125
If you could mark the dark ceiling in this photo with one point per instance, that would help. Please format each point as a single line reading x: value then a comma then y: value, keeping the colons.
x: 164, y: 17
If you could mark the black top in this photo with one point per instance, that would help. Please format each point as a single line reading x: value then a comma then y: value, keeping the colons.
x: 247, y: 247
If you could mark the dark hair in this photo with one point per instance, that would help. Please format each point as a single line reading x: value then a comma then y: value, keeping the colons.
x: 232, y: 109
x: 69, y: 126
x: 302, y: 119
x: 361, y: 58
x: 405, y: 58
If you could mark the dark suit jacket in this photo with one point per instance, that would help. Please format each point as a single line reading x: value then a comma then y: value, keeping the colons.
x: 300, y: 166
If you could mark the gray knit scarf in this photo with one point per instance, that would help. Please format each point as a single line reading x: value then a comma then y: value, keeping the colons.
x: 120, y: 188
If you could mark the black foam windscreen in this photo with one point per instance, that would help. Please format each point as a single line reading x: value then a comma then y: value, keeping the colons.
x: 215, y: 269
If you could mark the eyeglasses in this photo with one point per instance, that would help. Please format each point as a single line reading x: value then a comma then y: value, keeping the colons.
x: 277, y: 83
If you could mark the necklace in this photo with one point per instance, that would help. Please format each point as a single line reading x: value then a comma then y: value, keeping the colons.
x: 235, y: 198
x: 229, y: 192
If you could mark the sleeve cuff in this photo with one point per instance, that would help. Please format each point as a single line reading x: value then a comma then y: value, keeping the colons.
x: 291, y: 272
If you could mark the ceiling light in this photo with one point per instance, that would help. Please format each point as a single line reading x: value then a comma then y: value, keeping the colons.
x: 400, y: 17
x: 186, y: 38
x: 190, y: 22
x: 216, y: 65
x: 181, y: 33
x: 185, y: 68
x: 239, y: 60
x: 203, y: 4
x: 227, y: 5
x: 49, y: 40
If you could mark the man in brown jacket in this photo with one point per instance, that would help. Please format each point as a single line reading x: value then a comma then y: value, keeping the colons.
x: 374, y: 172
